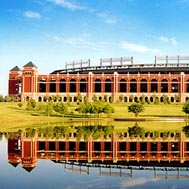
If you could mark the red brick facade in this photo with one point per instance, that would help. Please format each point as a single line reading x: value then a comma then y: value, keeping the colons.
x: 131, y: 82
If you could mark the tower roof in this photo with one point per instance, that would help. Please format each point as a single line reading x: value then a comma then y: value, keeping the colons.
x: 30, y: 64
x: 15, y: 69
x: 28, y: 169
x: 14, y: 164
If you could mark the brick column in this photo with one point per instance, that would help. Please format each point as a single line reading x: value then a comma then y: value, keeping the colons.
x: 115, y: 87
x: 128, y: 86
x: 115, y: 148
x: 148, y: 85
x: 90, y: 149
x: 159, y: 85
x: 77, y: 85
x: 57, y: 85
x: 169, y: 85
x: 182, y: 89
x: 138, y: 85
x: 68, y: 84
x: 90, y: 86
x: 102, y: 84
x: 47, y: 85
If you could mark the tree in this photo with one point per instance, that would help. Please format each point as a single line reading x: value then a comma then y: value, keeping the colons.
x: 136, y: 108
x: 185, y: 108
x: 60, y: 107
x: 79, y: 97
x: 20, y: 104
x: 1, y: 98
x: 136, y: 131
x: 186, y: 130
x: 94, y: 98
x: 31, y: 105
x: 49, y: 108
x: 84, y: 107
x: 121, y: 97
x: 108, y: 109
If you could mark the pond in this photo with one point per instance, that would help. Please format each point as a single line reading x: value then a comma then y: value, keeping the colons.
x: 93, y: 157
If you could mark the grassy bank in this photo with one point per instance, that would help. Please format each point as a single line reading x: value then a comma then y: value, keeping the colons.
x: 13, y: 117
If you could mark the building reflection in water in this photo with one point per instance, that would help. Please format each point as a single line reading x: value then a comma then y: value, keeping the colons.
x: 115, y: 154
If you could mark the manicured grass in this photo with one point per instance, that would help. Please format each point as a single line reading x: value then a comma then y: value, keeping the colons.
x: 151, y: 110
x: 12, y: 117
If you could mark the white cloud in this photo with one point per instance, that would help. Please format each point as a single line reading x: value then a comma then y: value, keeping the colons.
x: 137, y: 182
x: 107, y: 18
x: 81, y: 40
x: 138, y: 48
x: 32, y: 14
x: 68, y: 5
x: 172, y: 41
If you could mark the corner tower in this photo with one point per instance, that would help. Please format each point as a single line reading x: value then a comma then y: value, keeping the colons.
x: 15, y: 82
x: 29, y: 81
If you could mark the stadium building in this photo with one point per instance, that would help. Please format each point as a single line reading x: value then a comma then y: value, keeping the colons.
x: 112, y: 80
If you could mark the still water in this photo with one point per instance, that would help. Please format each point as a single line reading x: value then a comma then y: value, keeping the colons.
x: 66, y: 159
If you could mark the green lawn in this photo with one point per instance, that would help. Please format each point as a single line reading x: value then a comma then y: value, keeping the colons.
x: 162, y: 110
x: 12, y: 117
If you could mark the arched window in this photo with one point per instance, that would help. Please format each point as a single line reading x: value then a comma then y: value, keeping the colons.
x: 143, y: 86
x: 72, y: 86
x: 83, y: 86
x: 174, y: 86
x: 153, y: 86
x: 122, y: 86
x: 133, y: 85
x: 42, y: 86
x: 164, y: 86
x: 98, y: 85
x: 108, y: 85
x: 62, y: 85
x: 52, y: 86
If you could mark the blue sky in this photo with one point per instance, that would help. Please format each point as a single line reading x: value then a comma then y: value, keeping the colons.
x: 51, y: 32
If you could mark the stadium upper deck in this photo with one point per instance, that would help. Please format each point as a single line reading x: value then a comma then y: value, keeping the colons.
x: 124, y: 65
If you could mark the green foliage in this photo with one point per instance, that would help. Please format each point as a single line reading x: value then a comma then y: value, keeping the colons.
x: 20, y: 104
x: 31, y: 105
x: 108, y: 109
x: 30, y: 132
x: 60, y: 107
x: 84, y: 107
x: 186, y: 130
x: 121, y: 97
x: 95, y: 131
x: 131, y: 98
x: 166, y: 99
x: 9, y: 99
x: 94, y: 98
x: 136, y: 108
x: 79, y: 97
x: 105, y: 98
x: 49, y: 108
x: 142, y: 99
x: 97, y: 107
x: 1, y: 98
x: 136, y: 131
x: 185, y: 108
x: 155, y: 99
